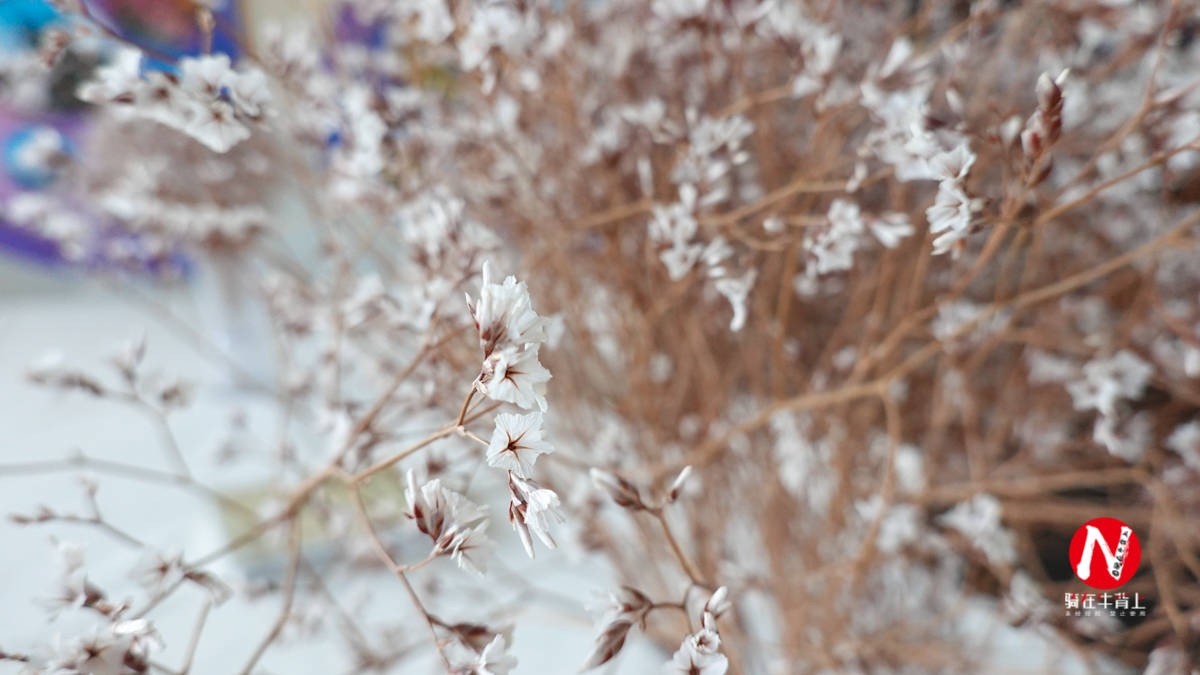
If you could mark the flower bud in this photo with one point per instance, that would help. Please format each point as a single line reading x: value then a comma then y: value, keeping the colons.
x: 620, y: 490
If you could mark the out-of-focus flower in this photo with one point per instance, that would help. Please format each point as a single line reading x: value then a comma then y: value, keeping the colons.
x: 493, y: 659
x: 698, y: 655
x: 979, y: 521
x: 1107, y: 381
x: 950, y: 216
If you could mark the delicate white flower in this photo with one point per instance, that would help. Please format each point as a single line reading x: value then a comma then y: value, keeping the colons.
x: 216, y: 126
x: 493, y: 24
x: 504, y: 315
x: 157, y: 571
x: 979, y: 520
x: 1107, y: 381
x: 910, y: 469
x: 736, y: 291
x: 530, y: 509
x: 249, y: 92
x: 698, y: 655
x: 454, y: 523
x: 950, y: 215
x: 206, y: 75
x: 890, y: 228
x: 953, y: 165
x: 516, y: 377
x: 73, y: 592
x: 93, y: 655
x: 834, y: 248
x: 1025, y: 600
x: 680, y: 259
x: 1128, y: 442
x: 120, y: 77
x: 516, y: 443
x: 1045, y: 367
x: 1185, y: 440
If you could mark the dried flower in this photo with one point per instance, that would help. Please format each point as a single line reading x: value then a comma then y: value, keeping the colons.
x: 698, y: 655
x: 620, y: 490
x: 608, y: 644
x: 454, y: 523
x: 504, y: 315
x: 516, y: 443
x: 531, y: 507
x: 516, y: 377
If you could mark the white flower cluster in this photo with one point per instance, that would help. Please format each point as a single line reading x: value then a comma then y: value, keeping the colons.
x: 834, y: 246
x: 979, y: 520
x: 510, y: 334
x: 1104, y: 384
x: 208, y: 100
x: 454, y: 523
x: 700, y: 651
x: 676, y: 226
x: 950, y: 215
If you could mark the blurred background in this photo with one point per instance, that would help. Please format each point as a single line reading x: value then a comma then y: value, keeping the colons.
x: 84, y: 282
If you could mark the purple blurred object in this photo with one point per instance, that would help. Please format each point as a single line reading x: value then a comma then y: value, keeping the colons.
x: 166, y: 29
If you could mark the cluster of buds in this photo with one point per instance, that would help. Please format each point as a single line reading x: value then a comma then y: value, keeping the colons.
x: 626, y: 494
x: 1043, y: 127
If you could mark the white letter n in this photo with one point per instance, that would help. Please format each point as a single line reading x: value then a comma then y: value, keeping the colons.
x: 1084, y: 569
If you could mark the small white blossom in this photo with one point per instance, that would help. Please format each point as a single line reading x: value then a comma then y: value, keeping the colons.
x: 698, y: 655
x: 205, y: 75
x: 950, y: 215
x: 890, y: 228
x: 835, y: 247
x: 93, y: 655
x: 953, y: 165
x: 516, y: 377
x: 1185, y: 441
x: 516, y: 443
x: 217, y: 127
x: 454, y: 523
x: 736, y: 291
x: 1107, y: 381
x: 504, y: 314
x: 531, y: 508
x: 979, y: 521
x: 250, y: 92
x: 120, y: 77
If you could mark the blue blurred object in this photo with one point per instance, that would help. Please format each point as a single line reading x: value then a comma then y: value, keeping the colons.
x: 21, y: 21
x: 36, y: 145
x: 21, y: 141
